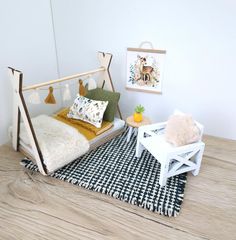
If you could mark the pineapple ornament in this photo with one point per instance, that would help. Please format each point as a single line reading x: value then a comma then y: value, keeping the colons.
x: 138, y: 114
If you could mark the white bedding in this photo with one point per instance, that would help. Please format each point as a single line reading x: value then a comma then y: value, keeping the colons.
x: 58, y: 142
x: 118, y: 124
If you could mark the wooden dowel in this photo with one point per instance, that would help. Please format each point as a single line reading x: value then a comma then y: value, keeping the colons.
x: 63, y: 79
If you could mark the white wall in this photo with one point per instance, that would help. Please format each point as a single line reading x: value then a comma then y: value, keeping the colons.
x: 26, y: 43
x: 199, y: 37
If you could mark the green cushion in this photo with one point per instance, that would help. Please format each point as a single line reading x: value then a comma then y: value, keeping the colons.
x: 104, y: 95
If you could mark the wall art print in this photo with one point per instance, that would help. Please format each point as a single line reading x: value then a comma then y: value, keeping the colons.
x: 145, y: 69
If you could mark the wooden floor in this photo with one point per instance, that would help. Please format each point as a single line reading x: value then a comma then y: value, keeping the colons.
x: 36, y: 207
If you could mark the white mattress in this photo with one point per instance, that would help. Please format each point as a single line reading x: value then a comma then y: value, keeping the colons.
x: 118, y: 124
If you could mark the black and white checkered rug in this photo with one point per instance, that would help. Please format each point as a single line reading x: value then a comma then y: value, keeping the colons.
x: 114, y: 170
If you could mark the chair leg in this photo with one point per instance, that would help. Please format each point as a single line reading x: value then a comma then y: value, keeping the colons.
x: 198, y: 160
x: 139, y: 149
x: 163, y: 173
x: 129, y: 133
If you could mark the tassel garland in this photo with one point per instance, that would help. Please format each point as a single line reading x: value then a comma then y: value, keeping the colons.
x: 91, y: 84
x: 50, y: 99
x: 66, y: 93
x: 34, y: 97
x: 82, y: 90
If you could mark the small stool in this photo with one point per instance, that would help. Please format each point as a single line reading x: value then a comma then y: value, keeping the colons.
x: 133, y: 126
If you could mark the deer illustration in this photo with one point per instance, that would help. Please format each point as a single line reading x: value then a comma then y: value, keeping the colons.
x: 145, y: 71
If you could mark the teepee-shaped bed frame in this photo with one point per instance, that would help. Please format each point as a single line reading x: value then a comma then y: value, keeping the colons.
x: 20, y: 107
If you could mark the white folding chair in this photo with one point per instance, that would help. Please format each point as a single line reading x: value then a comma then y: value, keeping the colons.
x: 173, y: 160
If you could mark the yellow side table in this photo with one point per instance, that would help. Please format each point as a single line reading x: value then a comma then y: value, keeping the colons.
x: 133, y: 126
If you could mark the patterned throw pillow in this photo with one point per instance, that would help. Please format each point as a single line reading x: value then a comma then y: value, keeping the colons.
x: 104, y: 95
x: 88, y: 110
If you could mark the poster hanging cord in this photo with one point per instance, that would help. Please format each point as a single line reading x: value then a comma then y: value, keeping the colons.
x: 147, y: 43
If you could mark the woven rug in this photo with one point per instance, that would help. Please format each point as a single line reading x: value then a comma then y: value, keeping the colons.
x: 114, y: 170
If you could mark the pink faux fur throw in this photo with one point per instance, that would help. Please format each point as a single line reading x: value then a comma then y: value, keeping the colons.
x: 181, y: 130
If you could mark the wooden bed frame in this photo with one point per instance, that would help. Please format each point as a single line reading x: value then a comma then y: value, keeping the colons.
x: 20, y: 107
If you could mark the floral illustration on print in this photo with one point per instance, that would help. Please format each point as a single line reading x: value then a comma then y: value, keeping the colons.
x: 144, y: 71
x: 88, y: 110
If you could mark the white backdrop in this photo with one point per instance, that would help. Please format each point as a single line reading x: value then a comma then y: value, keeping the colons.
x: 199, y: 37
x: 26, y: 43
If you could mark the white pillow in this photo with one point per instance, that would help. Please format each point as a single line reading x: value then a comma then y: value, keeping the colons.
x: 88, y: 110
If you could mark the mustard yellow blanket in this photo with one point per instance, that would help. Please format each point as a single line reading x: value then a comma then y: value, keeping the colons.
x: 87, y: 129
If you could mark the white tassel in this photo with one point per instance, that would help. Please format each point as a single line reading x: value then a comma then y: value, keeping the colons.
x: 66, y: 93
x: 34, y: 97
x: 91, y: 84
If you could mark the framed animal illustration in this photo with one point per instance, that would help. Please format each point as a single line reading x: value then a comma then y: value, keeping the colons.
x: 145, y: 69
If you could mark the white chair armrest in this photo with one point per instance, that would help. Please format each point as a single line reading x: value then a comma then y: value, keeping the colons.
x: 155, y: 126
x: 189, y: 147
x: 149, y: 128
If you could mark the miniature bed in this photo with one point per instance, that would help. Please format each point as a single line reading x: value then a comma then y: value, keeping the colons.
x: 26, y: 135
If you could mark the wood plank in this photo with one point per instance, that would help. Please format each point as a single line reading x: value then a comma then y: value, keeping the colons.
x: 30, y: 205
x: 21, y: 105
x: 59, y: 80
x: 15, y: 109
x: 34, y: 206
x: 146, y: 50
x: 220, y: 148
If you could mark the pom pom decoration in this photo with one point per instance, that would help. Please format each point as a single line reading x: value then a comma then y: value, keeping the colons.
x: 66, y: 93
x: 50, y: 99
x: 92, y: 84
x: 34, y: 97
x: 82, y: 90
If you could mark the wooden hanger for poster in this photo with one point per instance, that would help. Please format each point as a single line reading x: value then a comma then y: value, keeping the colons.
x: 20, y: 107
x: 146, y: 42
